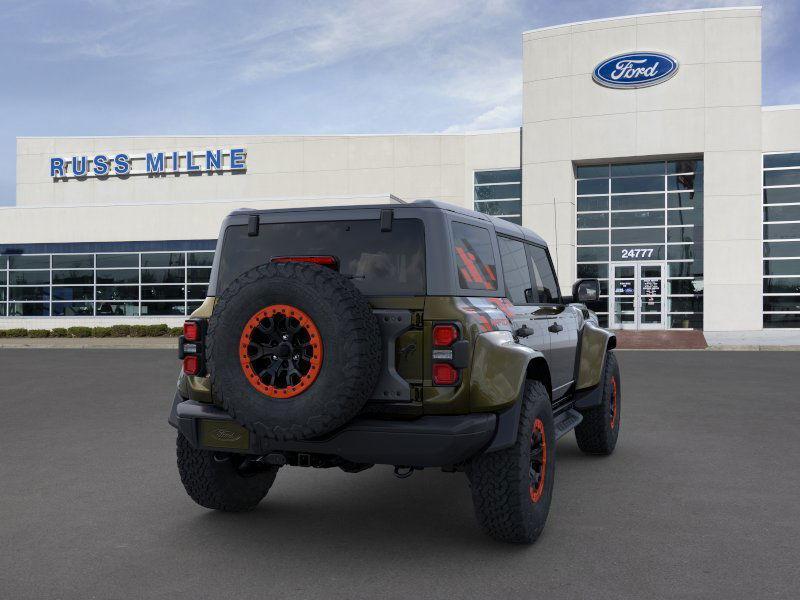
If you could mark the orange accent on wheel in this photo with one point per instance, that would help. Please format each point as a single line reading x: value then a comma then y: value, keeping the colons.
x: 280, y: 351
x: 613, y: 402
x: 538, y: 469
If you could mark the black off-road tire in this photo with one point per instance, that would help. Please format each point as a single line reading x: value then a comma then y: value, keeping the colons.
x: 501, y: 481
x: 212, y: 479
x: 351, y: 350
x: 599, y: 430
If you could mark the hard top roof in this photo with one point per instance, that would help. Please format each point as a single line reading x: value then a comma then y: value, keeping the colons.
x: 500, y: 225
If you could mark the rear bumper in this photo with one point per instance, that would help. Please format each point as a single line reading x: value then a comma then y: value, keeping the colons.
x: 428, y: 441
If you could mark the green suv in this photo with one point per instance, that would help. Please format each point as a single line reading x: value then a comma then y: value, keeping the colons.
x: 413, y: 335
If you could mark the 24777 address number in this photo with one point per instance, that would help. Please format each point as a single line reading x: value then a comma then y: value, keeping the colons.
x: 637, y: 252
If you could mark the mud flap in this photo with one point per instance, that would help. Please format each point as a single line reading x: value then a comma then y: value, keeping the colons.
x: 585, y: 399
x: 507, y: 425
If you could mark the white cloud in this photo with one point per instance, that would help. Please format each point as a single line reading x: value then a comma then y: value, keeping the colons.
x: 334, y: 34
x: 498, y: 117
x: 454, y: 60
x: 490, y: 90
x: 776, y: 15
x: 463, y: 57
x: 786, y: 94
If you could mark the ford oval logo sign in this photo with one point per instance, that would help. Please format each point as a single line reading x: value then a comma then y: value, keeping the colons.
x: 635, y: 70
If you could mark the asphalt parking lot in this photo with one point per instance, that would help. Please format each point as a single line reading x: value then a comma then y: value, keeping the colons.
x: 700, y: 500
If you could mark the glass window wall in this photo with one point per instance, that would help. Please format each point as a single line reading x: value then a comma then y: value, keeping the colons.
x: 499, y: 193
x: 648, y: 210
x: 120, y: 284
x: 781, y: 246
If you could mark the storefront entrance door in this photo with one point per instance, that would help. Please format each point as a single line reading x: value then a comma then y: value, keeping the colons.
x: 637, y: 295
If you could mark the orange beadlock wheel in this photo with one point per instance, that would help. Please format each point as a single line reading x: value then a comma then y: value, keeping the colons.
x: 280, y: 351
x: 538, y: 468
x: 613, y: 407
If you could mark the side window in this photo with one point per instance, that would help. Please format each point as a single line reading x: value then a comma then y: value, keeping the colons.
x: 515, y: 270
x: 545, y: 279
x: 474, y: 257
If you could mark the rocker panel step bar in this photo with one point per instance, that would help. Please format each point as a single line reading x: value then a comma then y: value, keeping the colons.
x: 566, y: 422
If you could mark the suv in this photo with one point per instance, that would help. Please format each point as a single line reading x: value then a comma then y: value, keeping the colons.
x: 414, y: 335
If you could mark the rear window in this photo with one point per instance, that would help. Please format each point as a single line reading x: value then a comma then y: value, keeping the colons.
x: 390, y: 263
x: 474, y: 257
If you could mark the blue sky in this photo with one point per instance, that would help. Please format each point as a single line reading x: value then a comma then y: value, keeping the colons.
x: 153, y: 67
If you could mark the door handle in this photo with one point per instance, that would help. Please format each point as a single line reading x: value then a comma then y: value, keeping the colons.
x: 555, y: 328
x: 524, y: 332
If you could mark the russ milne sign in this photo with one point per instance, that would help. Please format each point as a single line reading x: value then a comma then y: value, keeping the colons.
x: 635, y: 70
x: 151, y: 163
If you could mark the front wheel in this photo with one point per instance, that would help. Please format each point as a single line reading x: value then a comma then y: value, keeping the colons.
x: 221, y: 480
x: 599, y: 430
x: 512, y: 488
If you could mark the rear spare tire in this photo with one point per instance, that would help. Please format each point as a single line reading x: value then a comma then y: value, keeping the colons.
x: 293, y: 350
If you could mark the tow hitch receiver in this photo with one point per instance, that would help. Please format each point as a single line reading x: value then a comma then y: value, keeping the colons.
x: 402, y: 472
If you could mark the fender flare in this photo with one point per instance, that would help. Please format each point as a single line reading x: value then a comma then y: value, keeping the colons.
x: 500, y: 366
x: 518, y: 364
x: 595, y: 342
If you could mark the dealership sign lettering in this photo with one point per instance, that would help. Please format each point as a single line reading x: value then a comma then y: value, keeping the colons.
x: 152, y: 163
x: 635, y: 70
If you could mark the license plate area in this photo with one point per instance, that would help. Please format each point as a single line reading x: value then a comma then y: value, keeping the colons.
x: 224, y: 435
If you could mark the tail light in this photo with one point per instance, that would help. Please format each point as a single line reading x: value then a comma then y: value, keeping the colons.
x: 191, y: 347
x: 444, y: 374
x: 450, y: 354
x: 191, y: 364
x: 444, y: 335
x: 325, y: 261
x: 191, y: 331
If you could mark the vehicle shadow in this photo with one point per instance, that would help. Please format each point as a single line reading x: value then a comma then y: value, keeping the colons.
x: 351, y: 510
x: 309, y: 509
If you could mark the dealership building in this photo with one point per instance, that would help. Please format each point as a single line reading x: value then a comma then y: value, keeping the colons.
x: 645, y: 158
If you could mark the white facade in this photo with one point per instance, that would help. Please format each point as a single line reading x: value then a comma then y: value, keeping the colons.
x: 408, y: 166
x: 710, y: 112
x: 711, y: 108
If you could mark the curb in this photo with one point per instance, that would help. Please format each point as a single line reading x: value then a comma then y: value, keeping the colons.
x: 171, y: 343
x: 720, y: 348
x: 755, y: 347
x: 159, y: 343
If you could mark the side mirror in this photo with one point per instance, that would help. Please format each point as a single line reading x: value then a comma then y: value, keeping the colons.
x: 586, y: 290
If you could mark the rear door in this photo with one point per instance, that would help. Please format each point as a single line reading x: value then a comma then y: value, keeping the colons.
x: 560, y: 319
x: 519, y: 290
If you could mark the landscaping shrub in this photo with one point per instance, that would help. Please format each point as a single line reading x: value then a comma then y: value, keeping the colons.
x: 16, y: 332
x: 120, y: 330
x: 97, y: 332
x: 157, y: 330
x: 138, y: 330
x: 80, y: 332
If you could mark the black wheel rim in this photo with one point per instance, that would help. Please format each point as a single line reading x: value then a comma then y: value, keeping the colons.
x: 281, y: 351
